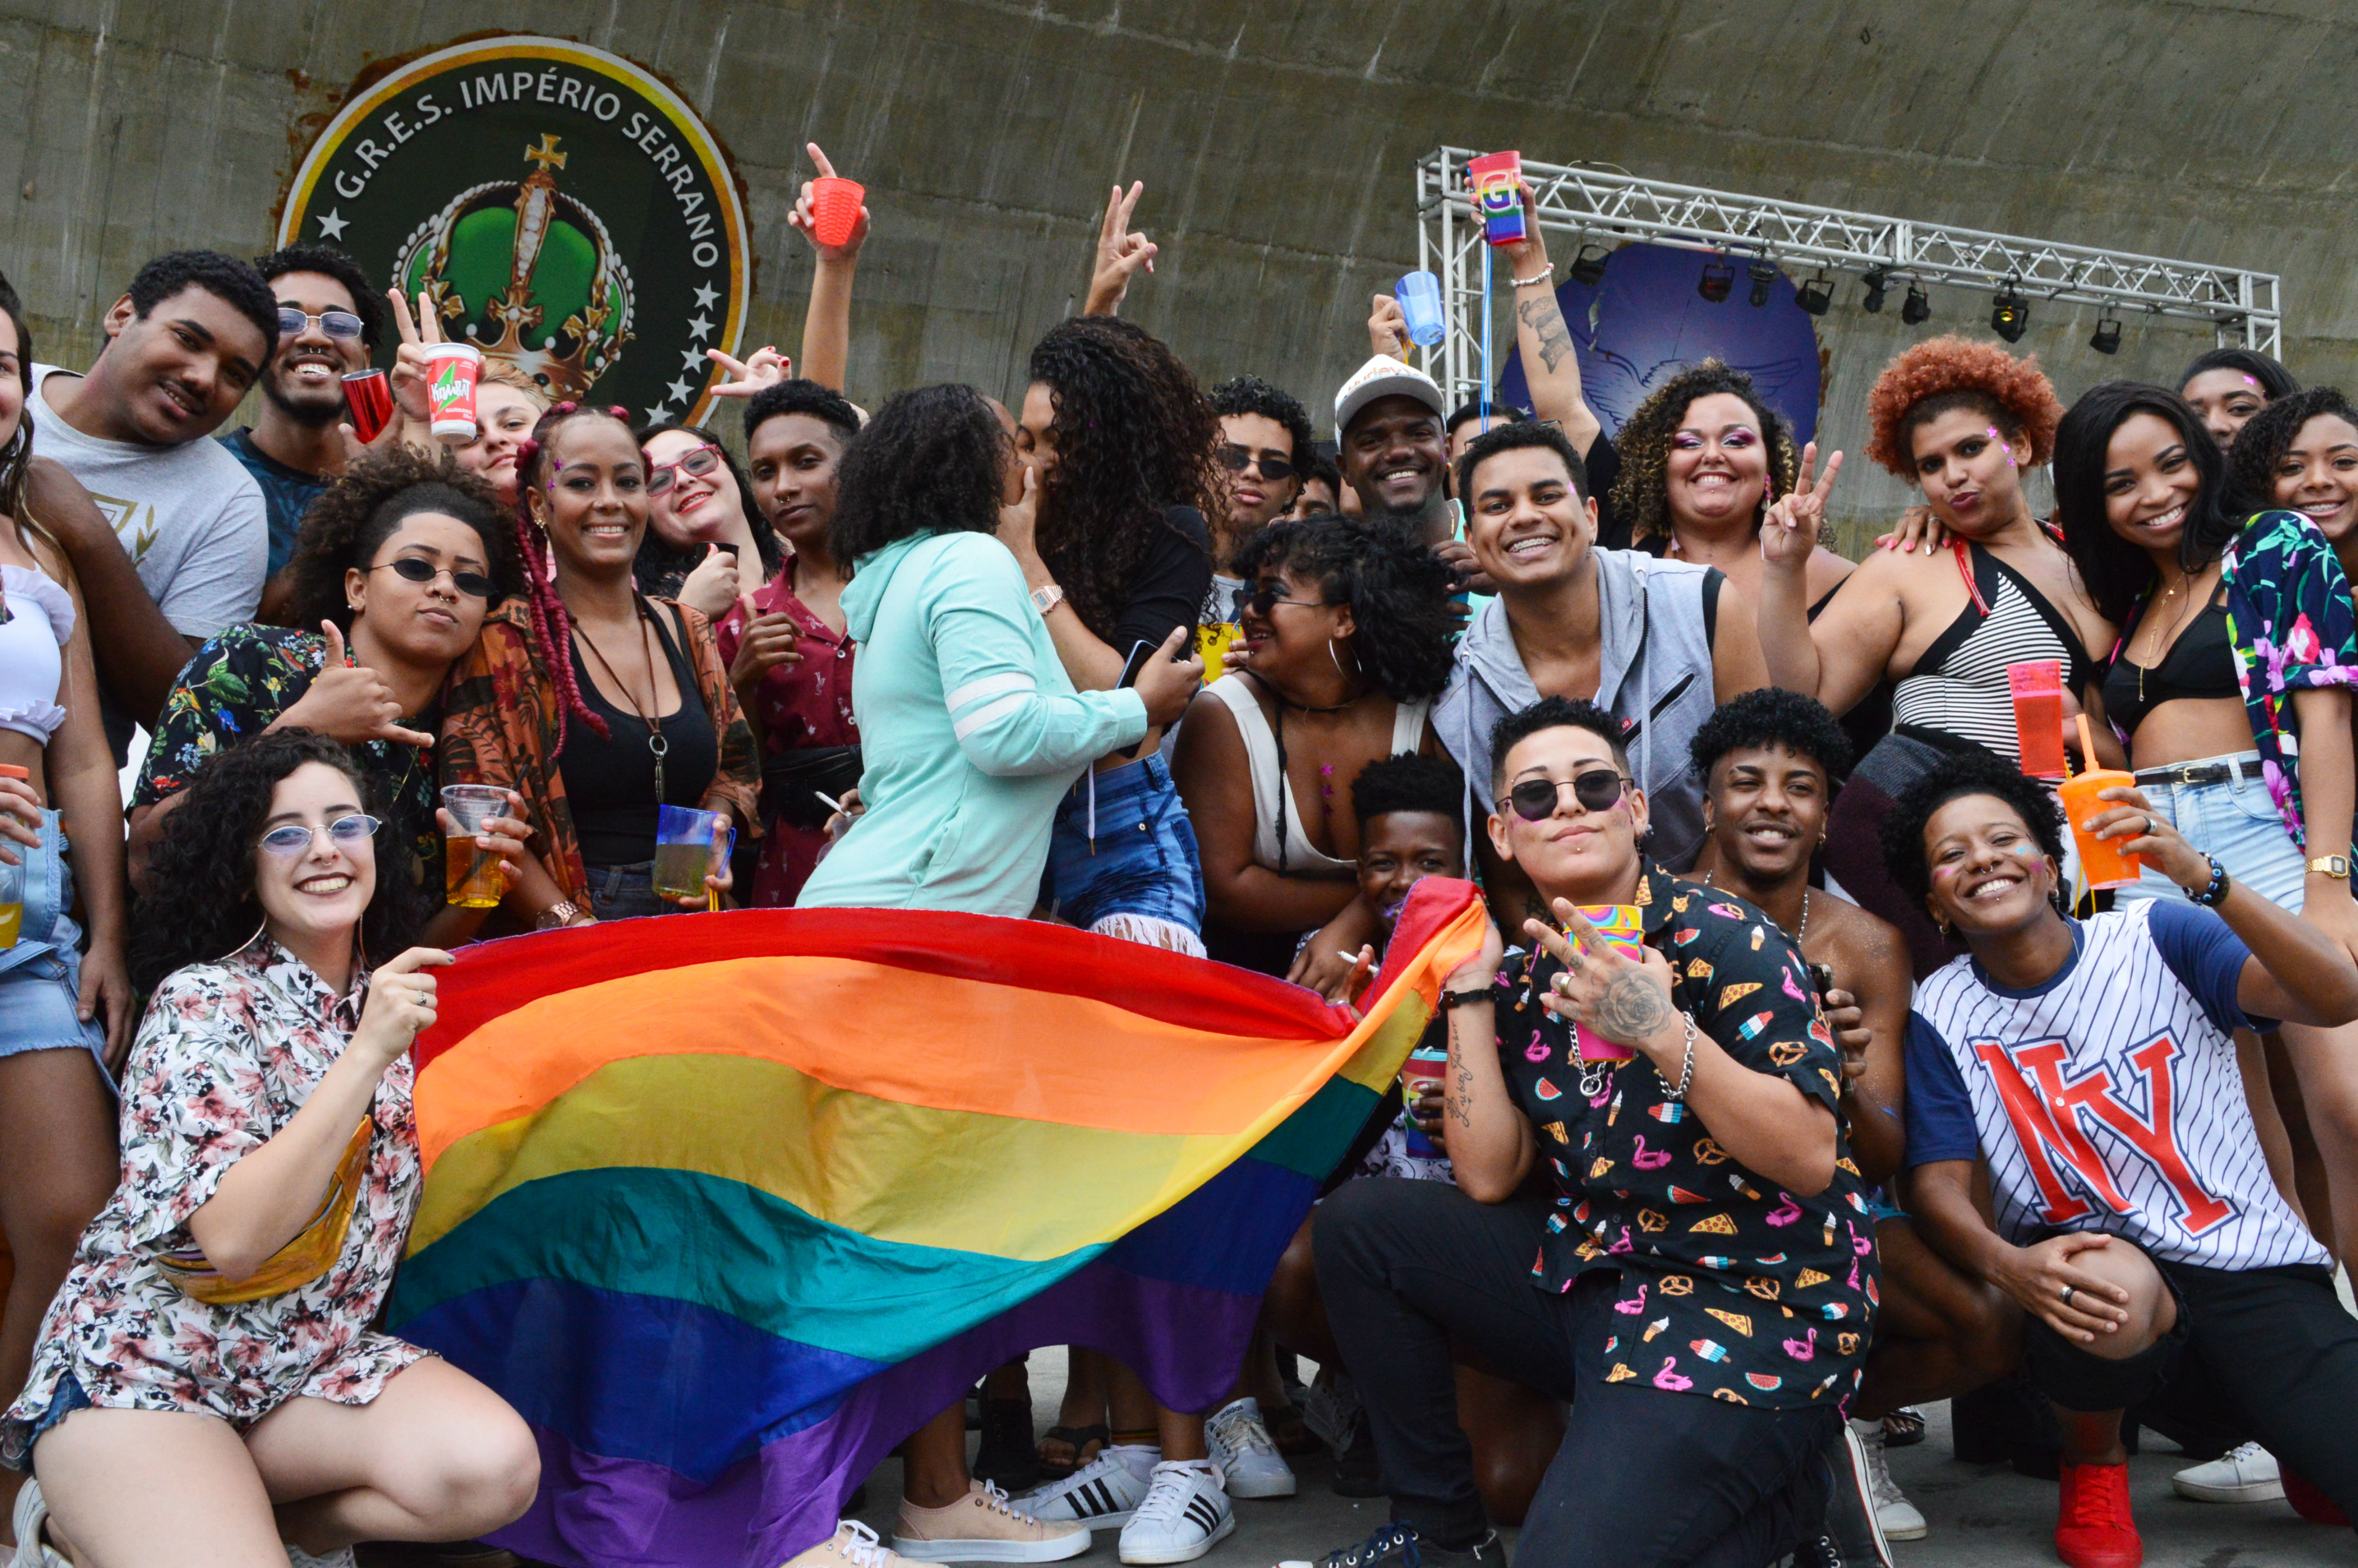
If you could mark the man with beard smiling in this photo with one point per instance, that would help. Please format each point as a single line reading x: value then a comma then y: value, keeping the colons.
x: 328, y: 323
x: 184, y: 343
x: 1657, y: 644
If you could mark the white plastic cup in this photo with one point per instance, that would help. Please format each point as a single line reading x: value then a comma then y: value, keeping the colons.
x: 451, y: 371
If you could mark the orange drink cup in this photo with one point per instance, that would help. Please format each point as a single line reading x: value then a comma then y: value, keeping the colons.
x: 2102, y: 860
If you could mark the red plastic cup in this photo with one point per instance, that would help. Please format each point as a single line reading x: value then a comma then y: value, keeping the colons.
x: 451, y: 370
x: 835, y: 209
x: 368, y: 393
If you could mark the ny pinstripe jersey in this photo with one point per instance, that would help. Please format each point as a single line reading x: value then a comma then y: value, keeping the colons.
x: 2107, y: 1098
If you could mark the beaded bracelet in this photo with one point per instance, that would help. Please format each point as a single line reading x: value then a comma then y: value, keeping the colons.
x: 2215, y: 892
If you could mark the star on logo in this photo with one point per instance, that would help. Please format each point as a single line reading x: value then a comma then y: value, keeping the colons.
x: 679, y: 391
x: 699, y: 326
x: 658, y: 414
x: 693, y: 359
x: 331, y: 225
x: 706, y: 297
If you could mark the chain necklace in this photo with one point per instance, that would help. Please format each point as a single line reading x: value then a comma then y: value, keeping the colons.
x: 1798, y: 936
x: 656, y: 743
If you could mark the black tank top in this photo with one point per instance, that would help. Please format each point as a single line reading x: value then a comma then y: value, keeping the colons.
x: 609, y: 785
x: 1959, y: 688
x: 2200, y: 663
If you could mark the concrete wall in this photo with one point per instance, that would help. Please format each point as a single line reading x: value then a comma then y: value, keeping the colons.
x: 1276, y: 139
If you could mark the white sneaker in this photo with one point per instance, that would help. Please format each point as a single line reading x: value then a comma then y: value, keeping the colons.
x: 2245, y: 1474
x: 1901, y: 1519
x: 1185, y: 1514
x: 1249, y: 1463
x: 29, y: 1517
x: 853, y: 1545
x: 298, y: 1558
x: 1100, y: 1495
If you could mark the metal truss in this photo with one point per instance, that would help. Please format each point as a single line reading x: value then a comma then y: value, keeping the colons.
x: 1598, y: 205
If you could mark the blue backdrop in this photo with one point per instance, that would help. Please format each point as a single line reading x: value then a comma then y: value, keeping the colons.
x: 1645, y: 322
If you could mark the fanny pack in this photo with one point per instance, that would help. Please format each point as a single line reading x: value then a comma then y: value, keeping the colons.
x: 792, y: 781
x: 302, y: 1260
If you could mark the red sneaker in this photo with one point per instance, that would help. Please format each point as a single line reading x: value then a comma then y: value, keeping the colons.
x: 2092, y: 1527
x: 2311, y: 1504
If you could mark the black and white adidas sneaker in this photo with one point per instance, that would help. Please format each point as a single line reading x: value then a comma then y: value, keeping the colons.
x: 1100, y: 1495
x: 1185, y: 1514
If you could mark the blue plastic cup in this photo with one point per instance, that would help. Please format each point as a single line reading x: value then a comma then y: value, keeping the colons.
x: 1420, y: 298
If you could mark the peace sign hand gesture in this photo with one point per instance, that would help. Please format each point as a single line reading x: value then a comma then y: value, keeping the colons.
x: 766, y: 368
x: 1627, y: 1000
x: 1792, y: 528
x: 1121, y: 253
x: 410, y: 372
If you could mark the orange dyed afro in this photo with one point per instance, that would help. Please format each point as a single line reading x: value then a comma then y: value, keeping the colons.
x: 1951, y: 363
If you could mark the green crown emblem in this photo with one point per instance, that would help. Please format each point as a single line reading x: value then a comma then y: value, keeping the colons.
x: 527, y: 273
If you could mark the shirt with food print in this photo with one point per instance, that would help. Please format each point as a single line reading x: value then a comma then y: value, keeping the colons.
x: 1730, y: 1285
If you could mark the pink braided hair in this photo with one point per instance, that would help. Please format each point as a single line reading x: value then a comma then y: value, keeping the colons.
x: 552, y: 632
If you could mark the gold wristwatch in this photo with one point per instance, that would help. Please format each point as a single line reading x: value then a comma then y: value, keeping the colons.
x: 2334, y: 866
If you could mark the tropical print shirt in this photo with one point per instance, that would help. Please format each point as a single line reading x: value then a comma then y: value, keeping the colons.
x: 2291, y: 622
x: 1730, y: 1286
x: 236, y: 686
x: 227, y: 1056
x: 501, y: 728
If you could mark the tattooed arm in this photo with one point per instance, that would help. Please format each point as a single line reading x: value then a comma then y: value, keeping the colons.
x: 1550, y: 368
x: 1489, y: 1139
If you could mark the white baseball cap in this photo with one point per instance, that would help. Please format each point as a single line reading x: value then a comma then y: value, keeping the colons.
x: 1384, y: 376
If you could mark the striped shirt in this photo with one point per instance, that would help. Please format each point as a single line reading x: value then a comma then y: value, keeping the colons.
x: 1960, y: 687
x: 2107, y: 1098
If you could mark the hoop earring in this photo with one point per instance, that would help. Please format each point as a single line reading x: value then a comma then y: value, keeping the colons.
x: 1338, y: 658
x: 249, y: 942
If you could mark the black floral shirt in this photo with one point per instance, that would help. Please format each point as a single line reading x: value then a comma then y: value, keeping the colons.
x: 1729, y: 1286
x: 237, y: 684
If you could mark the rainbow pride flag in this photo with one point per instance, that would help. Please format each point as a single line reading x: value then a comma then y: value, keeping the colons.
x: 728, y: 1204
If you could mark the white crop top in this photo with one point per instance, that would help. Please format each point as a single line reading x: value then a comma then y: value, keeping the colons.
x: 40, y: 617
x: 1274, y: 808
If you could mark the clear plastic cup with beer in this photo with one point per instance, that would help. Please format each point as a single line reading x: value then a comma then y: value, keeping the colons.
x: 470, y: 875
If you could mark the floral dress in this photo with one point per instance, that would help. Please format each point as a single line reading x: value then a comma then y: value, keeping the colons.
x: 799, y: 705
x: 227, y: 1056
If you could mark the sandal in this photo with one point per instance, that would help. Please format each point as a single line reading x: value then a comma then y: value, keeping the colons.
x: 1085, y: 1442
x: 1903, y: 1428
x: 1288, y: 1431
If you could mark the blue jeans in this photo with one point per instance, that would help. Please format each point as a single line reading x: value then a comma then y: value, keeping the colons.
x: 2234, y: 820
x: 625, y: 893
x: 41, y: 976
x: 1138, y: 876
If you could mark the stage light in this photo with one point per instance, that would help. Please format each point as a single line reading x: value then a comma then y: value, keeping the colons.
x: 1917, y: 308
x: 1875, y: 282
x: 1815, y: 294
x: 2107, y: 338
x: 1718, y: 277
x: 1762, y: 275
x: 2009, y: 314
x: 1589, y: 267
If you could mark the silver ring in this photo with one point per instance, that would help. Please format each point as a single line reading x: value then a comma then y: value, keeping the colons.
x: 2148, y: 828
x: 2067, y: 1294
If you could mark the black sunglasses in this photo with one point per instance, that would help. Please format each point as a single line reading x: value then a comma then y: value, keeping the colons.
x: 1262, y: 600
x: 409, y: 569
x: 1235, y: 460
x: 1534, y: 800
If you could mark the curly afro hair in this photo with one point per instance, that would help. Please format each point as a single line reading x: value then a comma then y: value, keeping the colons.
x: 1133, y: 435
x: 353, y: 517
x: 931, y: 459
x: 1954, y: 777
x: 329, y: 262
x: 201, y: 905
x: 1398, y: 590
x: 1940, y: 373
x: 1409, y: 782
x: 1251, y: 394
x: 2260, y: 446
x: 1642, y: 493
x: 1770, y: 716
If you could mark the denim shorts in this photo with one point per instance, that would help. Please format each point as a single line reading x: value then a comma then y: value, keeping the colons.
x: 1141, y: 861
x: 2234, y: 821
x: 41, y: 976
x: 625, y: 893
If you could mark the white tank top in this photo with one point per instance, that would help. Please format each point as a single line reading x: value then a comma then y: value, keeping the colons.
x: 1272, y: 800
x: 40, y: 617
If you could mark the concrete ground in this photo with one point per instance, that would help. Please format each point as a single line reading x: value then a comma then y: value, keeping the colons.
x: 1981, y: 1515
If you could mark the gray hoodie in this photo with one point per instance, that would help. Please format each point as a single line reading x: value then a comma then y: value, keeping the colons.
x: 1654, y: 673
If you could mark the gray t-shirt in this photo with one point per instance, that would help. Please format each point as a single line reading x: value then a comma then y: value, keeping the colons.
x: 191, y: 518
